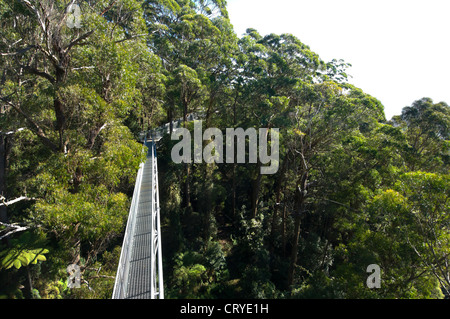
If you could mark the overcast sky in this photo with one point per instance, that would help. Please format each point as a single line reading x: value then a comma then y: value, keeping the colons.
x: 399, y: 49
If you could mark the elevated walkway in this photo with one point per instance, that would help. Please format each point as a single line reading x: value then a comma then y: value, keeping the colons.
x: 139, y: 274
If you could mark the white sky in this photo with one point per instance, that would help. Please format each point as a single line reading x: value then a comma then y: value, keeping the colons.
x: 399, y: 49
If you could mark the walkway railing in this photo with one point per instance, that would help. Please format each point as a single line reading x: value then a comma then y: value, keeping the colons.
x: 140, y: 273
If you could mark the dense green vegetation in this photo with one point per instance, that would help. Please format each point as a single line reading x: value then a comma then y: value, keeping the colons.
x: 353, y: 188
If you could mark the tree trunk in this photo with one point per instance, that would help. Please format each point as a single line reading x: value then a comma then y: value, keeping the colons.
x: 3, y: 142
x: 255, y: 191
x: 233, y: 195
x: 59, y: 106
x: 76, y: 256
x: 233, y: 192
x: 280, y: 182
x: 170, y: 119
x: 93, y: 134
x: 300, y: 208
x: 283, y: 231
x: 294, y: 251
x: 209, y: 111
x: 207, y: 206
x: 28, y: 285
x: 3, y: 165
x: 187, y: 166
x: 187, y: 192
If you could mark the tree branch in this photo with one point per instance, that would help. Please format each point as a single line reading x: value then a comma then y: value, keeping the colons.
x: 39, y: 73
x: 12, y: 132
x: 21, y: 198
x: 11, y: 229
x: 37, y: 129
x: 18, y: 52
x: 80, y: 38
x: 108, y: 8
x: 36, y: 12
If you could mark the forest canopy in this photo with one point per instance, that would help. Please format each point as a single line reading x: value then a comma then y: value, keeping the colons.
x: 353, y: 188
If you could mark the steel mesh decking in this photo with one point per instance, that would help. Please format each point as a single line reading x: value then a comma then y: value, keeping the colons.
x: 137, y: 270
x: 138, y: 286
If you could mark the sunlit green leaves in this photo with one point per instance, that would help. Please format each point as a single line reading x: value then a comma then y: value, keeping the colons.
x: 91, y: 214
x: 24, y: 250
x: 22, y: 258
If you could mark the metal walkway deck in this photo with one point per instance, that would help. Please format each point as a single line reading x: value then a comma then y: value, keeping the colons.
x: 139, y: 275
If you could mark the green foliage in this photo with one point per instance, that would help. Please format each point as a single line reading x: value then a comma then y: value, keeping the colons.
x: 189, y: 277
x: 23, y: 251
x: 19, y: 258
x: 352, y: 190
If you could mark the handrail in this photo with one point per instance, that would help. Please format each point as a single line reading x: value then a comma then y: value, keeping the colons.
x: 121, y: 286
x: 157, y: 285
x: 122, y: 270
x: 152, y: 243
x: 158, y: 226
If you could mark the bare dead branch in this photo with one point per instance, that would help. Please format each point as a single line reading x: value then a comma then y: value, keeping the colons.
x: 7, y: 203
x: 11, y: 229
x: 77, y: 40
x: 12, y: 132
